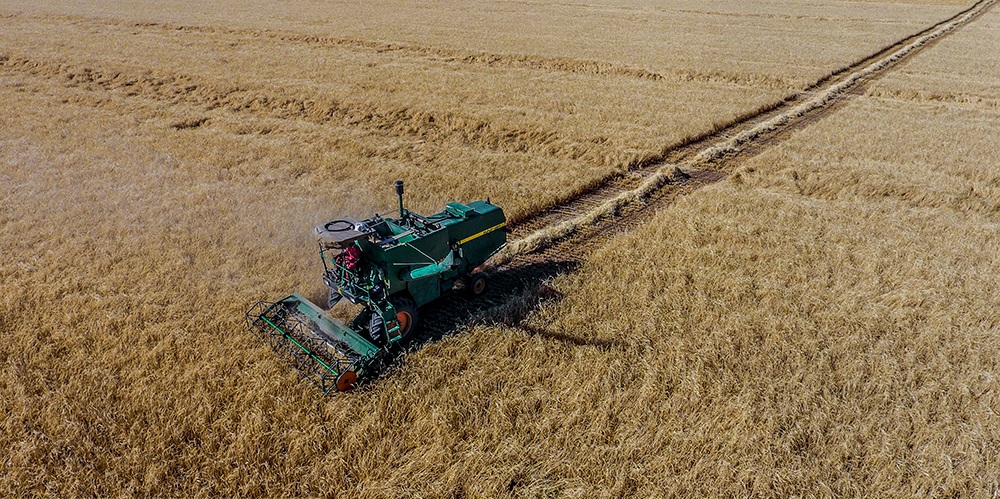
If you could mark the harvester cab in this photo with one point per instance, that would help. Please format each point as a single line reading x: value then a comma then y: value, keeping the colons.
x: 390, y: 267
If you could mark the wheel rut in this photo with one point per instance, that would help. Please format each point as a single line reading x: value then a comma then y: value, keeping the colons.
x: 685, y: 153
x: 558, y: 239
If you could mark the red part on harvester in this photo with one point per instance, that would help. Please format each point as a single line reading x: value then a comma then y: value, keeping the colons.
x: 351, y: 257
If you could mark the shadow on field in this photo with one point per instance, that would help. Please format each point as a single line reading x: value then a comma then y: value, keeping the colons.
x: 514, y: 294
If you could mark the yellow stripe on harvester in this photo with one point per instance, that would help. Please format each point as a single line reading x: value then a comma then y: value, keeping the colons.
x: 483, y: 233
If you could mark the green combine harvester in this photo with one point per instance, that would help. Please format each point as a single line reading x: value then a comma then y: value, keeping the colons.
x: 391, y: 267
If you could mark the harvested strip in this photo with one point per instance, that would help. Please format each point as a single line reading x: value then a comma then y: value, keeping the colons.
x: 660, y: 177
x: 734, y: 144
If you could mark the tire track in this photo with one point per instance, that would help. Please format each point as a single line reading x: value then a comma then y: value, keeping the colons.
x: 709, y: 150
x: 563, y: 236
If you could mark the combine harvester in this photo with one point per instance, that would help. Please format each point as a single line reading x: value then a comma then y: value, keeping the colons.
x: 391, y: 267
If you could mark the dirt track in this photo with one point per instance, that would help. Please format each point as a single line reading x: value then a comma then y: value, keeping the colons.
x: 717, y: 150
x: 625, y: 201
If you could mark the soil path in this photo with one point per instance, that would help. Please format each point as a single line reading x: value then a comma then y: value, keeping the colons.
x: 556, y: 240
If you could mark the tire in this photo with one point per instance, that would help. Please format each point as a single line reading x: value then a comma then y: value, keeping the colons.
x: 407, y: 315
x: 376, y: 329
x: 477, y: 284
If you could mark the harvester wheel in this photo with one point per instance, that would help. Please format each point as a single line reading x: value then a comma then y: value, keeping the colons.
x: 477, y: 284
x: 346, y: 380
x: 407, y: 315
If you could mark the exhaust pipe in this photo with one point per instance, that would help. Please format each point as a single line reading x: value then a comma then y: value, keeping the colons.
x: 399, y: 192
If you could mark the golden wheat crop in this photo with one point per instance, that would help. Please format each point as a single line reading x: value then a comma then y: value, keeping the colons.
x: 446, y: 95
x: 821, y: 323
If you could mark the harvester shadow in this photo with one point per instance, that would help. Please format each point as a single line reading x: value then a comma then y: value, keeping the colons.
x: 515, y: 293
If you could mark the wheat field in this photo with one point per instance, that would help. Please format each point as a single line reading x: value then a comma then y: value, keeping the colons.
x: 437, y: 95
x: 822, y: 323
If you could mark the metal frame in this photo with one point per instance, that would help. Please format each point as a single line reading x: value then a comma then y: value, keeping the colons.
x: 291, y: 335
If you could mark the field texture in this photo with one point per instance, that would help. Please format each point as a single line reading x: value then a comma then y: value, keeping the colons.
x: 445, y: 95
x: 823, y: 321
